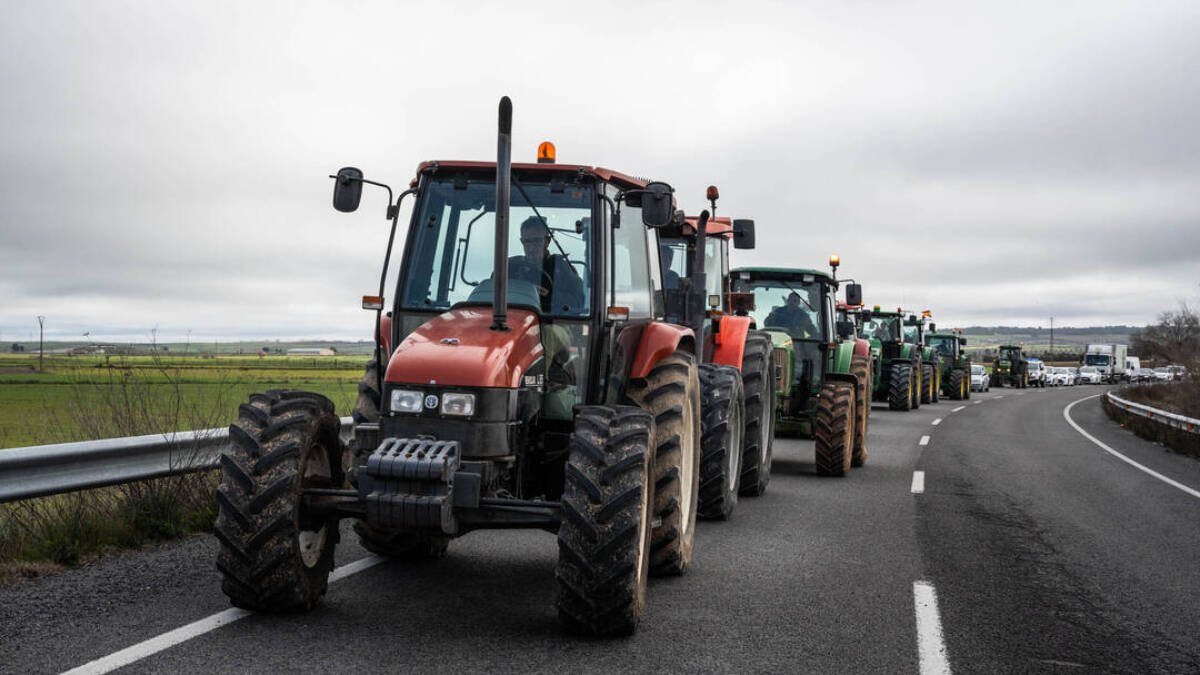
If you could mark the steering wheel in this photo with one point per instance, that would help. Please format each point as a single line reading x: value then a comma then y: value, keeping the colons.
x: 521, y: 264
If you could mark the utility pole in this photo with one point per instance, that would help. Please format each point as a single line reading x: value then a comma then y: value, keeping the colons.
x: 41, y: 347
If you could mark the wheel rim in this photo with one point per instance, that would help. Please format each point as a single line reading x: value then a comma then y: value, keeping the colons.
x: 316, y: 471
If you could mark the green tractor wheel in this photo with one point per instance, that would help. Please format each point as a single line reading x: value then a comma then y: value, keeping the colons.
x: 833, y: 428
x: 957, y: 388
x: 900, y: 387
x: 927, y: 383
x: 917, y: 382
x: 861, y: 368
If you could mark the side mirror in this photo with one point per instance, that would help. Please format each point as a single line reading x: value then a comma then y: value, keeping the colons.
x: 865, y: 314
x: 657, y: 210
x: 347, y: 189
x: 743, y: 233
x: 853, y: 294
x: 845, y: 329
x: 933, y: 328
x: 962, y: 341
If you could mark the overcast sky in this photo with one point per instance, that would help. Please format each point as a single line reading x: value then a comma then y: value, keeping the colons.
x: 165, y: 164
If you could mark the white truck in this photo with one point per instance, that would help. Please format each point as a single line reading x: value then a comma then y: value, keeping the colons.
x: 1109, y: 359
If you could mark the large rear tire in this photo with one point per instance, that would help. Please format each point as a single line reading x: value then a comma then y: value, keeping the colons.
x: 860, y: 367
x: 758, y: 383
x: 722, y: 411
x: 671, y: 392
x: 927, y: 383
x: 833, y: 428
x: 604, y: 538
x: 272, y: 556
x: 957, y: 386
x: 900, y: 386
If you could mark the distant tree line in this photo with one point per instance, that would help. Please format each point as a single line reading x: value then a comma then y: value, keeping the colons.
x: 1174, y: 339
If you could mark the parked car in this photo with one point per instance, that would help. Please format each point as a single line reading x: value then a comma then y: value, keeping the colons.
x: 979, y: 378
x: 1037, y: 373
x: 1057, y: 377
x: 1090, y: 375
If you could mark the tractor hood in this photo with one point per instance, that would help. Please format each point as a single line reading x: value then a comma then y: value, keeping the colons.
x: 459, y: 348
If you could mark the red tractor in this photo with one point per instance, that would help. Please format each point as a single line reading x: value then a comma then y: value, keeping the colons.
x: 530, y: 379
x: 737, y: 363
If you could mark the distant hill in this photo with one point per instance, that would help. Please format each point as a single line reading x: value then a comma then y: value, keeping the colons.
x: 1037, y: 340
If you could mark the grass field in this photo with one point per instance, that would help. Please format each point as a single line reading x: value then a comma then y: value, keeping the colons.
x: 83, y: 397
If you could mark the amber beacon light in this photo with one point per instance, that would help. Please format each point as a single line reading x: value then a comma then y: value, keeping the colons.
x: 546, y: 153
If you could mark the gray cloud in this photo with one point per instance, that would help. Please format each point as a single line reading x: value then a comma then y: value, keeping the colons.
x: 165, y: 164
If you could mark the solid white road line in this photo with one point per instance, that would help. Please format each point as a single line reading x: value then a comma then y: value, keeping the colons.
x: 184, y: 633
x: 931, y: 649
x: 924, y: 441
x: 918, y: 484
x: 1123, y: 458
x: 960, y: 407
x: 937, y: 421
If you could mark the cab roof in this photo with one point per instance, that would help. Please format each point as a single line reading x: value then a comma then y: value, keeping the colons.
x: 620, y: 179
x: 782, y: 272
x: 718, y: 226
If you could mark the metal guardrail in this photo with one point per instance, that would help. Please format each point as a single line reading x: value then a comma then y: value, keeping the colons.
x: 43, y: 470
x: 1173, y: 420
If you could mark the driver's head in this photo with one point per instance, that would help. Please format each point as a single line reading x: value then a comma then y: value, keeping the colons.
x: 666, y: 254
x: 793, y: 300
x: 535, y: 239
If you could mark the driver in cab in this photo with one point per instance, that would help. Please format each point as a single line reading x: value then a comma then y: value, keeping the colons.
x: 558, y: 286
x: 793, y: 318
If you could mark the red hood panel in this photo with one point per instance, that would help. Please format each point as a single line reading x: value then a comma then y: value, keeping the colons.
x: 458, y: 348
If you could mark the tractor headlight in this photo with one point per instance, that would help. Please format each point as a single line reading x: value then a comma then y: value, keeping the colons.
x: 406, y: 400
x: 458, y: 404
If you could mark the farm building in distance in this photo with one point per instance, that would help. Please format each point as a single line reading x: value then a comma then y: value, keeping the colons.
x: 312, y: 351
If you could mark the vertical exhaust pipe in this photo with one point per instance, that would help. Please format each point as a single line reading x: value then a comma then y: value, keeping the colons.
x: 698, y: 295
x: 503, y: 184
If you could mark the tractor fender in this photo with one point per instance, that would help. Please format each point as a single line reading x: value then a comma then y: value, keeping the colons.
x: 842, y: 377
x: 458, y: 348
x: 862, y: 348
x: 843, y: 353
x: 658, y: 341
x: 729, y: 341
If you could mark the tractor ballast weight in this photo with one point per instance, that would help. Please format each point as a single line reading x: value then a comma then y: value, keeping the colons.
x: 822, y: 376
x: 524, y: 377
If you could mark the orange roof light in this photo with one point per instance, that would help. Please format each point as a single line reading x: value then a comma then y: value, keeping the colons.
x: 712, y: 193
x: 546, y: 153
x: 834, y: 260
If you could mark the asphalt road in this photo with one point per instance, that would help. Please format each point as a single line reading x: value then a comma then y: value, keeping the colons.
x: 1045, y: 552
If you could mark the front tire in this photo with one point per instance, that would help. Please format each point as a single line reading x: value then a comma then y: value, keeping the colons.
x: 957, y: 385
x: 604, y: 538
x: 671, y: 393
x: 927, y: 383
x: 721, y: 443
x: 861, y: 369
x: 833, y: 428
x: 272, y: 557
x: 900, y: 386
x: 758, y: 383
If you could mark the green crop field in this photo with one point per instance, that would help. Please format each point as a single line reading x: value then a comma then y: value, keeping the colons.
x: 94, y: 396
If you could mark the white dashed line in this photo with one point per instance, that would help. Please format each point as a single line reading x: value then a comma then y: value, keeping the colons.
x: 918, y: 485
x: 999, y: 396
x: 937, y: 422
x: 978, y: 402
x: 931, y: 649
x: 924, y: 441
x: 1152, y: 472
x: 184, y: 633
x: 960, y: 407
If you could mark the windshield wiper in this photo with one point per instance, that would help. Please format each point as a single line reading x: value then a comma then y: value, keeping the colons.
x: 550, y: 233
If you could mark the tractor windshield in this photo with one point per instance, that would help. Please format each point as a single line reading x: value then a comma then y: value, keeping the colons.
x: 943, y: 344
x: 912, y: 334
x: 549, y: 245
x: 883, y: 328
x: 791, y: 306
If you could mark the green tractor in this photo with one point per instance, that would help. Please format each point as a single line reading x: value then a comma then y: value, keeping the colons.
x: 931, y: 368
x: 823, y: 373
x: 898, y: 376
x: 955, y: 374
x: 1010, y: 366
